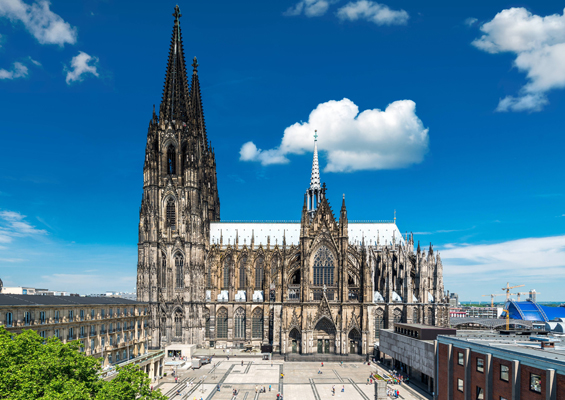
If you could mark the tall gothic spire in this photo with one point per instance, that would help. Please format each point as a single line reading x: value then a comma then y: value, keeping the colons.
x: 196, y: 103
x: 174, y: 104
x: 315, y: 177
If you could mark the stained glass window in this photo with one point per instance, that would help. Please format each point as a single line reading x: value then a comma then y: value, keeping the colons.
x: 323, y: 267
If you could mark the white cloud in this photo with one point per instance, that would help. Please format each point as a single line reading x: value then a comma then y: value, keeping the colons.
x: 377, y: 13
x: 13, y: 224
x: 471, y: 21
x: 530, y: 258
x: 310, y: 8
x: 372, y: 139
x: 46, y: 26
x: 80, y: 66
x: 539, y: 45
x: 36, y: 63
x: 18, y: 71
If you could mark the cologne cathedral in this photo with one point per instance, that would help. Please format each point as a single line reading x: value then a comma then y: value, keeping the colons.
x: 321, y: 285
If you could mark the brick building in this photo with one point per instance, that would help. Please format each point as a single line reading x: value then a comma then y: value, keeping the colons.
x: 484, y: 365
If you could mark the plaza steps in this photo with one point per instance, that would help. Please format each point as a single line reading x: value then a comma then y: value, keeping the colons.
x: 296, y: 357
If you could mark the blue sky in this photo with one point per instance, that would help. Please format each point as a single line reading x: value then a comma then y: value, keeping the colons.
x: 452, y: 115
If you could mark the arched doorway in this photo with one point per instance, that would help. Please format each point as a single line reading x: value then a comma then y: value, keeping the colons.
x: 324, y: 336
x: 354, y: 341
x: 295, y: 340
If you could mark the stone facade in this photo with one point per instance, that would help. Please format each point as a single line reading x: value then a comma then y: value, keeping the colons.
x: 321, y: 285
x: 115, y: 330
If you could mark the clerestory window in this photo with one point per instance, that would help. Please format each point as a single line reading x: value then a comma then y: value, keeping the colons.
x: 259, y: 271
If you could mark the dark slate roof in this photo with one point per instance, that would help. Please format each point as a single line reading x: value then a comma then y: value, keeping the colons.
x: 38, y: 300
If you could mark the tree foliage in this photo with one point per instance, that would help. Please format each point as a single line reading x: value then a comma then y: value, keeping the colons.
x: 35, y: 368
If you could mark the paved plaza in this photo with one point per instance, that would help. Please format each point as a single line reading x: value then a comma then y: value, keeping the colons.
x: 302, y: 381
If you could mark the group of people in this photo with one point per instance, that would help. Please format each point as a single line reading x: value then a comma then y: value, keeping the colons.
x: 342, y: 389
x: 261, y: 389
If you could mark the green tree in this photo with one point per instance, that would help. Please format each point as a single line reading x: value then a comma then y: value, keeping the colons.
x: 35, y: 368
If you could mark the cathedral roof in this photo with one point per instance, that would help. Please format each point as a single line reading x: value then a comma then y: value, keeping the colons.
x: 275, y: 231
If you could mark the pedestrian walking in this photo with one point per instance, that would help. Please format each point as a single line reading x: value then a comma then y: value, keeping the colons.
x: 343, y: 389
x: 269, y: 388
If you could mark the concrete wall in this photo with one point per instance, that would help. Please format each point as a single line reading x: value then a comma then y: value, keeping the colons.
x: 416, y: 353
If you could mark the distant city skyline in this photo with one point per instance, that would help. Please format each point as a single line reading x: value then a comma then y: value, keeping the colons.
x: 427, y: 109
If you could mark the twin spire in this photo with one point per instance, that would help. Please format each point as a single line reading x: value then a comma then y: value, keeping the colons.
x: 314, y: 193
x: 180, y: 102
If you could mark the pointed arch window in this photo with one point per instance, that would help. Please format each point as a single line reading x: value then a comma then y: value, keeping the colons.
x: 179, y: 267
x: 163, y: 270
x: 222, y: 324
x: 323, y: 267
x: 178, y: 324
x: 274, y: 269
x: 239, y: 324
x: 379, y: 323
x: 171, y: 160
x: 257, y: 324
x: 242, y: 277
x: 171, y: 214
x: 207, y: 319
x: 228, y: 265
x: 259, y: 271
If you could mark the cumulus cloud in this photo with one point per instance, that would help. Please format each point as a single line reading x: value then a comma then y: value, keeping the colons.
x: 372, y: 139
x: 539, y: 45
x: 80, y: 66
x: 46, y: 26
x: 18, y: 71
x: 522, y: 258
x: 310, y: 8
x: 371, y: 11
x: 13, y: 224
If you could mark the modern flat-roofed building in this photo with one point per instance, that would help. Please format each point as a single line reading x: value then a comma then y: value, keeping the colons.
x: 503, y: 366
x: 112, y: 328
x: 412, y: 349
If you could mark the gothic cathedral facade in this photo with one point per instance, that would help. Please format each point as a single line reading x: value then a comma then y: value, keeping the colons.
x: 321, y: 285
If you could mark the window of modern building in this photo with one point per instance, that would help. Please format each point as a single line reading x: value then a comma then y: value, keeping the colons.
x: 480, y: 393
x: 27, y: 318
x: 111, y: 340
x: 145, y: 311
x: 504, y: 373
x: 257, y: 324
x: 480, y: 365
x: 103, y: 329
x: 460, y: 385
x: 82, y: 315
x: 222, y: 324
x: 103, y: 342
x: 71, y: 335
x: 103, y: 313
x: 259, y: 273
x: 9, y: 319
x: 81, y: 348
x: 56, y: 334
x: 535, y: 383
x: 110, y: 358
x: 118, y: 337
x: 111, y: 312
x: 131, y: 311
x: 323, y: 267
x: 125, y: 355
x: 42, y: 317
x: 92, y: 314
x: 82, y: 332
x: 239, y: 324
x: 460, y: 359
x: 118, y: 312
x: 57, y: 317
x: 91, y: 345
x: 71, y: 315
x: 42, y: 334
